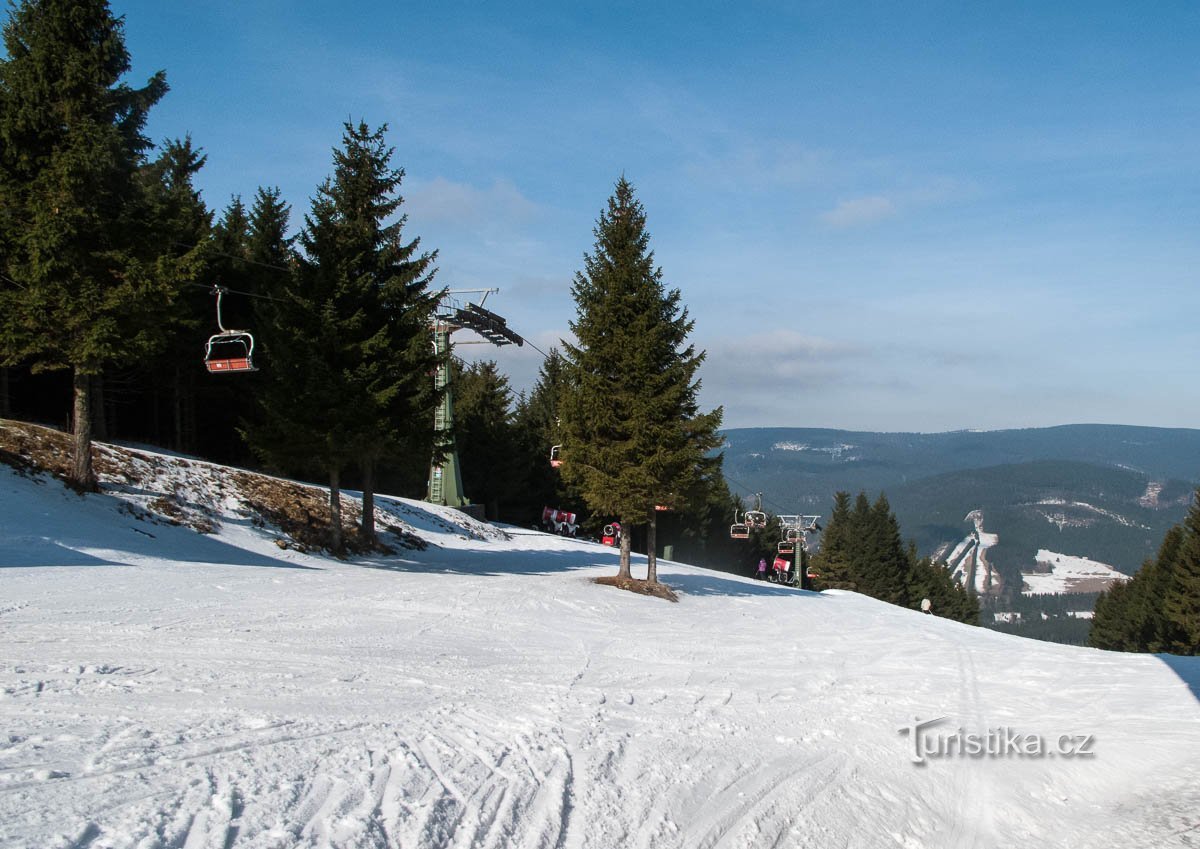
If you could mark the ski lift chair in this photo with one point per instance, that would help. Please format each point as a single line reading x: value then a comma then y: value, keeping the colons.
x: 739, y: 530
x: 554, y: 460
x: 229, y: 351
x: 792, y: 535
x: 786, y: 547
x: 755, y: 518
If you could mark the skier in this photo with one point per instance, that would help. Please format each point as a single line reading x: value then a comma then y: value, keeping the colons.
x: 762, y: 568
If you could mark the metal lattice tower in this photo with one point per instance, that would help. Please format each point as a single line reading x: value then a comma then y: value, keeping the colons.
x: 445, y: 476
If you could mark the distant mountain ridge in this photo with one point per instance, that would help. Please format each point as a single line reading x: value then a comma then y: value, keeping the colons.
x: 1108, y: 492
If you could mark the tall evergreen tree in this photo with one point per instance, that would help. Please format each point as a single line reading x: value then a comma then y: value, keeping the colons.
x: 484, y: 434
x: 885, y: 563
x: 181, y: 225
x: 1181, y: 595
x: 536, y: 422
x: 269, y: 247
x: 74, y: 218
x: 1158, y: 610
x: 349, y: 342
x: 633, y: 435
x: 833, y: 562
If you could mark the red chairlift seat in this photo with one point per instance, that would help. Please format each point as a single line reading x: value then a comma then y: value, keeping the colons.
x: 229, y: 351
x: 555, y: 462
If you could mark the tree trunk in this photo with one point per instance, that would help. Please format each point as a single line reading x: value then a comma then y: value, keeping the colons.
x: 83, y: 477
x: 155, y: 417
x: 651, y: 548
x: 623, y: 569
x: 99, y: 413
x: 367, y: 527
x: 177, y: 404
x: 335, y: 512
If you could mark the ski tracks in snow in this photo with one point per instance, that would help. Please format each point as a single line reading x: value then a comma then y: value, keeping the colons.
x: 439, y: 783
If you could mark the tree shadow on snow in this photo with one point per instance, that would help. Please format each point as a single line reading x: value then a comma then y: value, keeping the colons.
x: 480, y: 561
x: 165, y: 542
x: 1187, y: 668
x: 716, y: 584
x: 48, y: 552
x: 476, y: 561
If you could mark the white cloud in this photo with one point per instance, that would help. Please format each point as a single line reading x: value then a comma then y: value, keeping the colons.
x: 859, y: 211
x: 440, y: 199
x: 774, y: 359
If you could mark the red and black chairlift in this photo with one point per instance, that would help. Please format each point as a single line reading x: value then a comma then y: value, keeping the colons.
x: 228, y: 351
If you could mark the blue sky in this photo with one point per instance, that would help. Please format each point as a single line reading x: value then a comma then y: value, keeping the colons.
x: 882, y: 216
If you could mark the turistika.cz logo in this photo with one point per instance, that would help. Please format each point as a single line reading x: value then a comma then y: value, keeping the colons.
x: 928, y: 743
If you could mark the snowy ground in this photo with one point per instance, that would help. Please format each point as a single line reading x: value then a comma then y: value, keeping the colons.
x: 161, y: 688
x: 1069, y: 574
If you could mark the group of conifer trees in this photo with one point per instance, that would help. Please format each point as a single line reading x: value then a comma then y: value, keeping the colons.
x: 1158, y: 610
x: 108, y: 263
x: 861, y: 550
x: 109, y: 259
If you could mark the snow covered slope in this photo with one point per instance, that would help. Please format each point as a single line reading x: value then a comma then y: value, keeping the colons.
x: 163, y: 688
x: 1066, y: 574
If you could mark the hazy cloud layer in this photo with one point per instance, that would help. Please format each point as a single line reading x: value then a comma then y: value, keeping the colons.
x: 859, y: 211
x: 441, y: 200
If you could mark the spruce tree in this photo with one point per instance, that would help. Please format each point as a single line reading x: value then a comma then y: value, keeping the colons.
x: 885, y: 563
x: 1181, y: 596
x: 181, y: 224
x: 269, y: 248
x: 536, y: 422
x: 83, y: 290
x: 633, y: 435
x: 349, y: 341
x: 1158, y: 610
x: 1108, y: 618
x: 223, y: 401
x: 833, y: 562
x: 484, y: 434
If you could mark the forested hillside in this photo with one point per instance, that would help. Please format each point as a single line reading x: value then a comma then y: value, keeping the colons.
x: 1103, y: 491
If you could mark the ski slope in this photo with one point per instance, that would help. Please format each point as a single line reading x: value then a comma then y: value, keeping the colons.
x: 163, y: 688
x: 1069, y: 574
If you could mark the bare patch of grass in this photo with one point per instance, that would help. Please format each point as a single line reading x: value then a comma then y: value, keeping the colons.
x: 32, y: 448
x: 639, y: 586
x: 299, y: 512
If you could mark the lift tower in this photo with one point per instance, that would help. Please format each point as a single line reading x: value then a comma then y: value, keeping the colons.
x: 445, y: 478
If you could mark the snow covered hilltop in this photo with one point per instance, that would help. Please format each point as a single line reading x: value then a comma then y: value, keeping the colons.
x: 473, y: 688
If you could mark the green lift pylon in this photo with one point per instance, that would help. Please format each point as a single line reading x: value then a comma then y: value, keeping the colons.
x: 445, y: 475
x: 445, y: 481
